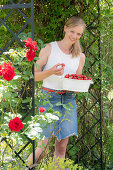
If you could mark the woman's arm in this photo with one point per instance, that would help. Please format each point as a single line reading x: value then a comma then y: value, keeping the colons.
x: 81, y: 64
x: 43, y: 58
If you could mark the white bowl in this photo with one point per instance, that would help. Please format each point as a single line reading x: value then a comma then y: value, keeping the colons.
x: 76, y: 85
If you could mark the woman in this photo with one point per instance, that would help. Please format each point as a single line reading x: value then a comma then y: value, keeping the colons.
x: 68, y: 52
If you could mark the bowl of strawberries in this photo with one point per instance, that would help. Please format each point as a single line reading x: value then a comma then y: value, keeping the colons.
x: 74, y: 82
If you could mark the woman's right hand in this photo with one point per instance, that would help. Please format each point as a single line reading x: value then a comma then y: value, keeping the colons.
x: 43, y: 58
x: 58, y: 69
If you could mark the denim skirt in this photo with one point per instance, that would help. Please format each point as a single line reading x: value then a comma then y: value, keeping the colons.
x: 67, y: 124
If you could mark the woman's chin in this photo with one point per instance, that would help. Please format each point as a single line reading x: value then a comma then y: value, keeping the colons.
x: 72, y: 41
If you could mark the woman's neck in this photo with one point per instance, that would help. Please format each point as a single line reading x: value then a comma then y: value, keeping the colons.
x: 65, y: 46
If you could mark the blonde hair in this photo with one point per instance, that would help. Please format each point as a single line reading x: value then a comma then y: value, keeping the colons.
x: 73, y: 22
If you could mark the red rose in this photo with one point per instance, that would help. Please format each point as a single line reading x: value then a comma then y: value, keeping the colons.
x: 0, y: 70
x: 15, y: 124
x: 8, y: 71
x: 29, y: 43
x: 30, y: 55
x: 34, y: 44
x: 42, y: 109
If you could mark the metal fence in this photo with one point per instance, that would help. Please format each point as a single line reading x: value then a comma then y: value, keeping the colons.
x: 11, y: 6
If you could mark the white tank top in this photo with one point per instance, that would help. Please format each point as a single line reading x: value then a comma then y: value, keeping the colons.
x: 58, y: 56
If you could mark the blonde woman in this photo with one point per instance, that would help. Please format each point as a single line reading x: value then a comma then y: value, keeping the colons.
x: 68, y: 52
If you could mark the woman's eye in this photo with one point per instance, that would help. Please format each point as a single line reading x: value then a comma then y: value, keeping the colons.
x: 72, y: 31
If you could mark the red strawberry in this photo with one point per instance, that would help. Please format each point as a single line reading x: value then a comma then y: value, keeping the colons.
x: 80, y: 75
x: 67, y: 76
x: 63, y: 65
x: 74, y: 77
x: 84, y: 76
x: 77, y: 77
x: 89, y: 78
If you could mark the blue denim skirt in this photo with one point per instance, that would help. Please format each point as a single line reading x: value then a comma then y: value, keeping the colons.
x: 67, y: 124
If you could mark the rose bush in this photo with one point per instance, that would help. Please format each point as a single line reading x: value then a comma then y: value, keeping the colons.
x: 16, y: 99
x: 10, y: 73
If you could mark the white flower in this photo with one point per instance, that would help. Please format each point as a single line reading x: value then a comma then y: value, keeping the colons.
x: 2, y: 88
x: 16, y: 77
x: 42, y: 116
x: 37, y: 129
x: 34, y: 132
x: 35, y: 125
x: 9, y: 52
x: 110, y: 95
x: 51, y: 117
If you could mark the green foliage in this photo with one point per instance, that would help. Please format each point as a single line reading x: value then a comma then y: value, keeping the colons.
x: 59, y: 163
x: 13, y: 101
x: 108, y: 144
x: 50, y: 17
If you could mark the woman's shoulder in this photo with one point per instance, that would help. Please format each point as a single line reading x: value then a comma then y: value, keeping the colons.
x: 46, y: 50
x: 47, y: 47
x: 82, y: 58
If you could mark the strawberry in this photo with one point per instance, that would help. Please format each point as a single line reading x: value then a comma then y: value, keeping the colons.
x: 67, y: 76
x: 84, y: 76
x: 77, y: 77
x: 74, y: 77
x: 89, y: 78
x: 63, y: 65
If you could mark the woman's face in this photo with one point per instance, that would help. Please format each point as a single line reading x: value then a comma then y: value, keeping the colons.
x: 73, y: 34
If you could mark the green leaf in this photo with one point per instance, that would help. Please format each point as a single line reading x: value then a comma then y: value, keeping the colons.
x: 36, y: 58
x: 26, y: 100
x: 25, y: 78
x: 36, y: 65
x: 58, y: 104
x: 27, y: 73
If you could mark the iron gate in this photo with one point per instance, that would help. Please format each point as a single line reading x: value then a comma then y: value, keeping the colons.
x: 18, y: 6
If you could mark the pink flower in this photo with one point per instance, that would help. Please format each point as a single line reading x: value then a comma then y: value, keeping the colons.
x: 42, y: 109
